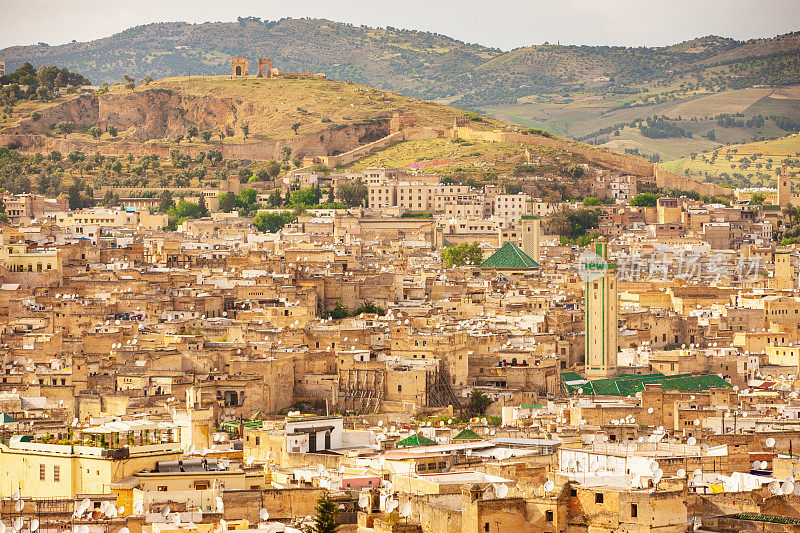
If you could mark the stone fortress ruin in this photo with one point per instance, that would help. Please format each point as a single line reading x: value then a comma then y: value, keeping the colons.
x: 240, y: 68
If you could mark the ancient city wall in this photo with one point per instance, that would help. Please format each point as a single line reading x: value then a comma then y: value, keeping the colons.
x: 670, y: 180
x: 623, y: 163
x: 362, y: 151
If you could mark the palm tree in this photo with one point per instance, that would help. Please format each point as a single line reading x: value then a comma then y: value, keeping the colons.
x: 790, y: 212
x: 479, y: 402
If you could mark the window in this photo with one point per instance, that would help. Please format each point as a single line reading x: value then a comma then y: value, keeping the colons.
x: 56, y: 473
x: 42, y: 475
x: 162, y: 488
x: 548, y: 516
x: 634, y: 510
x: 399, y: 388
x: 598, y: 497
x: 573, y: 493
x: 258, y: 441
x: 486, y: 526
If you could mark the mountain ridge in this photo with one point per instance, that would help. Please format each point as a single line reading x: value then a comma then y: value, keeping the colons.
x: 416, y: 63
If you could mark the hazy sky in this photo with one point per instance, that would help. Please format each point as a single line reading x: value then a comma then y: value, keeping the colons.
x: 502, y: 23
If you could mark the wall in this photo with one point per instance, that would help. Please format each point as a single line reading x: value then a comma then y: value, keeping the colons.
x: 281, y: 503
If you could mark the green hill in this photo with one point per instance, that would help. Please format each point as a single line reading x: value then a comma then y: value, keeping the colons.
x: 576, y: 91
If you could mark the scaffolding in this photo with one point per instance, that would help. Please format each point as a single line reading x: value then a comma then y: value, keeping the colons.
x: 438, y: 392
x: 361, y: 391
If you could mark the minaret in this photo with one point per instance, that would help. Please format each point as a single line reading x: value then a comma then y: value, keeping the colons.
x: 783, y: 279
x: 531, y: 232
x: 601, y: 313
x: 784, y: 187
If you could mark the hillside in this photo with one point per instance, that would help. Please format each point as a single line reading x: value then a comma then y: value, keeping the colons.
x: 415, y: 63
x: 312, y: 115
x: 753, y: 164
x: 583, y: 92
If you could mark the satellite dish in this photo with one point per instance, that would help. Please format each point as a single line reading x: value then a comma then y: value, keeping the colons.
x: 770, y: 442
x: 35, y: 523
x: 165, y: 511
x: 263, y: 514
x: 653, y: 466
x: 787, y: 487
x: 121, y: 510
x: 405, y: 510
x: 697, y: 472
x: 502, y: 491
x: 320, y: 469
x: 16, y: 495
x: 363, y: 501
x: 176, y: 518
x: 19, y: 505
x: 775, y: 487
x: 681, y: 473
x: 763, y: 465
x: 691, y: 441
x: 549, y: 485
x: 18, y: 524
x: 756, y: 465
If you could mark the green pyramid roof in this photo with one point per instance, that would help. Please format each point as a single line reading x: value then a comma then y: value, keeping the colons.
x: 415, y: 440
x: 467, y: 434
x: 5, y: 419
x: 510, y: 257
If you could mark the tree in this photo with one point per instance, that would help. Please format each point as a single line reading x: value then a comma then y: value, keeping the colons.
x: 308, y: 196
x: 757, y: 199
x: 591, y: 201
x: 192, y: 132
x: 43, y: 93
x: 286, y: 153
x: 791, y: 212
x: 645, y: 199
x: 479, y: 402
x: 202, y: 209
x: 295, y: 127
x: 573, y: 223
x: 245, y: 130
x: 227, y: 202
x: 166, y: 202
x: 130, y: 83
x: 274, y: 199
x: 273, y: 221
x: 575, y: 171
x: 325, y: 521
x: 147, y: 80
x: 65, y: 128
x: 206, y: 136
x: 462, y: 254
x: 76, y: 156
x: 273, y: 168
x: 112, y: 130
x: 95, y: 132
x: 352, y: 194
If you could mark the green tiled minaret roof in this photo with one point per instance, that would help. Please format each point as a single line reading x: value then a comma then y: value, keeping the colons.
x: 510, y: 257
x: 415, y: 440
